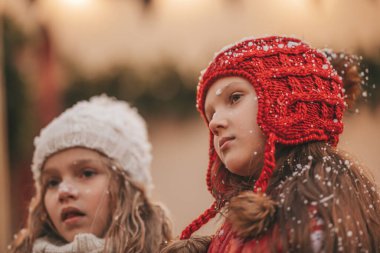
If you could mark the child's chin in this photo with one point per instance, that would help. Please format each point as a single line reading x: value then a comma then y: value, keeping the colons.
x: 242, y: 171
x: 238, y: 171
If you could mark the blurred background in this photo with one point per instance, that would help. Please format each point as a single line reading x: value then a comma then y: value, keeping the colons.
x: 149, y: 52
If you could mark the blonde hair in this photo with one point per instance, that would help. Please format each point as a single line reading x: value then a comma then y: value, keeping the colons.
x: 136, y: 225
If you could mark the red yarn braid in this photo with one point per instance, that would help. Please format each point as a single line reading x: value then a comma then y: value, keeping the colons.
x: 199, y: 222
x: 269, y: 165
x: 210, y: 164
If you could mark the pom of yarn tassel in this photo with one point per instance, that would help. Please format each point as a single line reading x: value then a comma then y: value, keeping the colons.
x: 251, y: 214
x: 194, y: 244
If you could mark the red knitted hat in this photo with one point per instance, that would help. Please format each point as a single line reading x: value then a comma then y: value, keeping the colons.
x: 300, y: 99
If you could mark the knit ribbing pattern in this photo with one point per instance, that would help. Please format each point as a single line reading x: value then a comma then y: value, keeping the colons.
x: 88, y: 243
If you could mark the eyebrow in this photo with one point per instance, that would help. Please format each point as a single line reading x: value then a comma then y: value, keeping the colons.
x: 81, y: 162
x: 227, y: 86
x: 74, y: 164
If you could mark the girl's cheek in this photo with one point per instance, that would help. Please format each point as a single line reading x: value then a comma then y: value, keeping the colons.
x: 47, y: 198
x: 216, y: 146
x: 49, y: 204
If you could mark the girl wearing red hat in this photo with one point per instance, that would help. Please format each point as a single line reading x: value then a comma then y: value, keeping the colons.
x: 274, y: 108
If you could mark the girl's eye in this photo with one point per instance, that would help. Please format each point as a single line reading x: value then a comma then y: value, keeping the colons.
x: 234, y: 97
x: 87, y: 173
x: 51, y: 183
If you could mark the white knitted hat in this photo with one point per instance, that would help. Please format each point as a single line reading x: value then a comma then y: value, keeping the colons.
x: 104, y: 124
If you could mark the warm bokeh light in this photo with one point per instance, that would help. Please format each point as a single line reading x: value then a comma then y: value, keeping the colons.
x: 295, y: 3
x: 54, y: 10
x: 178, y: 6
x: 188, y: 31
x: 76, y: 3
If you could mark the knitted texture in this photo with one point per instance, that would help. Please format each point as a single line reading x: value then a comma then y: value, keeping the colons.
x: 104, y: 124
x: 199, y: 222
x: 300, y: 97
x: 82, y: 243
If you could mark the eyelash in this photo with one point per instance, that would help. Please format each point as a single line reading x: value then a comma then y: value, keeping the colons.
x: 87, y: 173
x: 234, y: 97
x: 51, y: 183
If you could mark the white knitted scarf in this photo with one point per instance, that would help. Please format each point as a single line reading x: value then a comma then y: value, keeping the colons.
x: 82, y: 243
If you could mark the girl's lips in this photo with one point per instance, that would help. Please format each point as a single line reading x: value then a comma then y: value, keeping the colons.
x: 72, y: 220
x: 71, y: 214
x: 223, y: 142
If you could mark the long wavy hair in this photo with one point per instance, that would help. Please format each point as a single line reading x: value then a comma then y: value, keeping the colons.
x: 316, y: 178
x: 136, y: 225
x: 312, y: 178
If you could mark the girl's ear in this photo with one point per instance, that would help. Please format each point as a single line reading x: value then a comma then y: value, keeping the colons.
x: 195, y: 244
x: 251, y: 214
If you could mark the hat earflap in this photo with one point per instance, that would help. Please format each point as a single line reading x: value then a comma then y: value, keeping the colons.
x: 252, y: 213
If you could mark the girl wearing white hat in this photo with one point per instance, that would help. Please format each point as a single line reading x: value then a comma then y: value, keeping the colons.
x: 92, y: 179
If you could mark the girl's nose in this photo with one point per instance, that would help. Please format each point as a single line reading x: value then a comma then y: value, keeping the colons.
x: 67, y: 191
x: 217, y: 123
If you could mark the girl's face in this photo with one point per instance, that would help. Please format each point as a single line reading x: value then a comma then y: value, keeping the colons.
x: 76, y: 199
x: 231, y: 110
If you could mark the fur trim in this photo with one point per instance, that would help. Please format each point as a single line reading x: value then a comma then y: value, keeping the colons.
x: 251, y: 214
x: 194, y: 244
